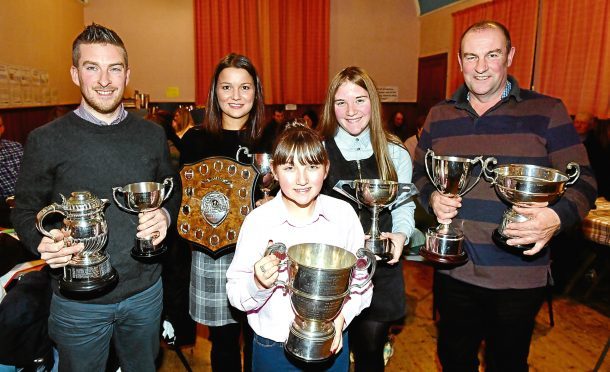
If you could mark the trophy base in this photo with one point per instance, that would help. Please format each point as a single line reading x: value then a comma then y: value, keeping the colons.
x: 458, y: 259
x: 309, y: 346
x: 89, y: 287
x: 380, y: 247
x: 144, y: 254
x: 501, y: 240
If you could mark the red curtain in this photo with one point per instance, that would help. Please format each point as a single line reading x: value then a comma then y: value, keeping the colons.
x: 287, y: 41
x: 519, y: 16
x: 575, y: 54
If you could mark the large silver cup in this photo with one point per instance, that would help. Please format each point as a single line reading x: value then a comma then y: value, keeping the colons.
x: 144, y: 197
x: 522, y: 185
x: 89, y: 272
x: 451, y: 175
x: 319, y: 280
x: 266, y: 182
x: 377, y: 194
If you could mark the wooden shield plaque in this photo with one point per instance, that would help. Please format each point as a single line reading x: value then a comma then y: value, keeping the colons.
x: 217, y: 194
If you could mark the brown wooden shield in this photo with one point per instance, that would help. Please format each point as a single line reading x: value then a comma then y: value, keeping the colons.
x: 217, y: 194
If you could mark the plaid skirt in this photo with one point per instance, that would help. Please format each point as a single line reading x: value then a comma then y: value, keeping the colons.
x: 209, y: 303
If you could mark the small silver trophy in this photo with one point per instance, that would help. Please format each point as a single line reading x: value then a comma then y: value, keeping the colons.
x: 377, y: 194
x: 144, y: 197
x: 451, y: 177
x: 319, y: 280
x: 89, y: 272
x: 266, y: 182
x: 522, y: 185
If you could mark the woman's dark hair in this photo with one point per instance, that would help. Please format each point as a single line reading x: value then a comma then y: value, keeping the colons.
x: 213, y: 114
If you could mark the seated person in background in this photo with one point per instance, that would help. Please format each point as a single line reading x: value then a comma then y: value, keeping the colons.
x: 411, y: 142
x: 597, y: 144
x: 397, y: 125
x: 272, y: 129
x: 11, y: 153
x: 298, y: 214
x: 311, y: 118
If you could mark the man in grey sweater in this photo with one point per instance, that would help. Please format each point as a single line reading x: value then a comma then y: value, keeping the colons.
x: 95, y: 148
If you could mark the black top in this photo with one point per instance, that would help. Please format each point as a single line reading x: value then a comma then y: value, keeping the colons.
x: 72, y: 154
x: 389, y: 298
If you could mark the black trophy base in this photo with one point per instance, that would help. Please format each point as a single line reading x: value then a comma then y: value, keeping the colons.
x: 89, y: 288
x: 501, y: 240
x: 380, y: 247
x: 148, y: 254
x: 454, y: 260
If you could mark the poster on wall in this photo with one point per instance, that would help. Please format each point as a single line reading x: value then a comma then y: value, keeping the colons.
x: 25, y: 86
x: 388, y: 93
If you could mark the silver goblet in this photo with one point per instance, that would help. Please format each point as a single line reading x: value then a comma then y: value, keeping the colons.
x: 266, y: 182
x: 144, y: 197
x: 523, y: 185
x: 451, y: 175
x: 377, y: 194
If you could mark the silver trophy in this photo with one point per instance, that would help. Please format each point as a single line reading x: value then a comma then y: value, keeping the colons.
x: 377, y: 194
x: 451, y: 175
x: 319, y: 280
x: 522, y: 185
x: 89, y: 272
x: 266, y: 182
x: 144, y: 197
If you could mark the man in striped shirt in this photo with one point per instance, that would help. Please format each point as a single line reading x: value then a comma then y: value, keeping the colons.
x: 496, y: 295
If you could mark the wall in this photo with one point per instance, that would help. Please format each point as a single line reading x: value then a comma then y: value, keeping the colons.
x: 380, y: 36
x: 160, y: 39
x: 38, y: 34
x: 436, y: 29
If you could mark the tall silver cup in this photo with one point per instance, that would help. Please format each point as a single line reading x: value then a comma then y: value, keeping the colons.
x: 144, y: 197
x: 319, y: 280
x: 522, y: 185
x: 89, y: 272
x: 377, y: 194
x: 451, y: 175
x: 266, y: 182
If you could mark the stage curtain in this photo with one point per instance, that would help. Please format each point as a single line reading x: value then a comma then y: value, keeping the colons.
x: 575, y: 54
x: 519, y: 16
x: 287, y: 41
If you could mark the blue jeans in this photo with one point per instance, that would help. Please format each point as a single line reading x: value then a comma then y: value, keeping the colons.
x: 269, y: 356
x: 83, y: 331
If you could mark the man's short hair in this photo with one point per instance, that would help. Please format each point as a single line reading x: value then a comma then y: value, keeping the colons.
x: 96, y: 34
x: 487, y: 25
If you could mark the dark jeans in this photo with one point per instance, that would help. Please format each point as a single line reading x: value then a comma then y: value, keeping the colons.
x: 367, y: 340
x: 470, y: 314
x: 83, y: 331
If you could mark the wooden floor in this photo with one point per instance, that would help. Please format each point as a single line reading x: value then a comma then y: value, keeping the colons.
x: 574, y: 344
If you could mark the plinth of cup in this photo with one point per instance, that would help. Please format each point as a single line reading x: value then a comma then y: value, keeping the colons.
x: 308, y: 346
x: 380, y: 247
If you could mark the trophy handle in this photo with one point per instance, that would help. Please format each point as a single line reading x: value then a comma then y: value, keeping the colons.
x: 116, y: 190
x: 370, y: 261
x: 430, y: 154
x: 243, y: 149
x: 478, y: 159
x: 339, y: 188
x: 573, y: 171
x: 53, y: 208
x: 167, y: 181
x: 279, y: 250
x: 408, y: 189
x: 488, y: 172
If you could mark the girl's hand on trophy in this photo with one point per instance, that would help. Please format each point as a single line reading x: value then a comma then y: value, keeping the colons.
x: 337, y: 344
x: 55, y: 252
x: 398, y: 242
x: 445, y: 207
x: 152, y: 224
x: 266, y: 271
x: 543, y: 223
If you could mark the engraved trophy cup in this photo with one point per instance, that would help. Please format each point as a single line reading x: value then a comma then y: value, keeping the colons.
x: 522, y: 185
x: 319, y: 280
x: 89, y: 272
x: 144, y: 197
x: 377, y: 194
x: 451, y: 177
x: 266, y: 182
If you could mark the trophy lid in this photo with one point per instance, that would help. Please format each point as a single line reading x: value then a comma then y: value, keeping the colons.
x: 81, y: 202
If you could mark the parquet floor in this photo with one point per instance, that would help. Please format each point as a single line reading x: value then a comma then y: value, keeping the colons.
x: 574, y: 344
